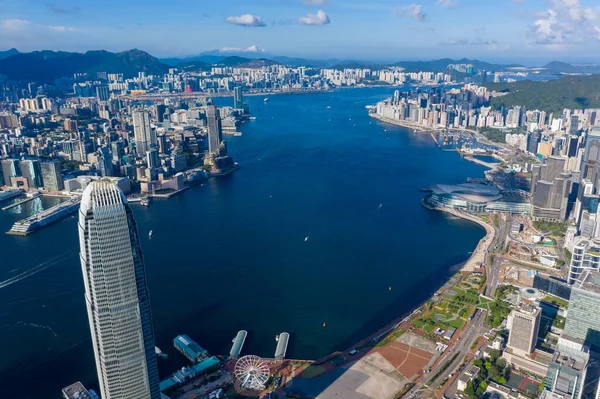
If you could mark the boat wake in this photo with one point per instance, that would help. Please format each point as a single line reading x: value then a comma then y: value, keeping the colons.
x: 32, y: 271
x: 34, y: 325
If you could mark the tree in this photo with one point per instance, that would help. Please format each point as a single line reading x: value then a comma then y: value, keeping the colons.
x: 470, y: 390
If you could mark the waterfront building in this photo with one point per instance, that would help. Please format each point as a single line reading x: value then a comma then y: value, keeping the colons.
x: 215, y: 135
x: 478, y: 198
x: 51, y: 176
x: 31, y: 170
x: 78, y: 391
x: 10, y: 169
x: 238, y: 97
x: 116, y: 295
x: 189, y: 348
x: 524, y: 323
x: 583, y: 320
x: 144, y: 135
x: 585, y: 256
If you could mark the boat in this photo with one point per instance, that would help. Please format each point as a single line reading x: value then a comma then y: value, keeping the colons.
x: 145, y: 201
x: 252, y: 118
x: 150, y: 234
x: 306, y: 239
x: 160, y: 354
x: 266, y: 99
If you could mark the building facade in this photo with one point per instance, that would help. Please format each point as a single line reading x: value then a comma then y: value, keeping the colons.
x: 525, y: 325
x: 144, y: 135
x: 51, y: 176
x: 116, y: 295
x: 583, y: 321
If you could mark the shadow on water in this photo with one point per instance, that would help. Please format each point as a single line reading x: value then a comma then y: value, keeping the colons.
x: 411, y: 299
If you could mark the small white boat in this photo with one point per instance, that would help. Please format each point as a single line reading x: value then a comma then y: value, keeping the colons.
x: 306, y: 239
x: 266, y: 99
x: 150, y: 234
x: 252, y: 118
x: 380, y: 206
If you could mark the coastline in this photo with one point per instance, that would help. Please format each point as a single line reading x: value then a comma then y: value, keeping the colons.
x: 415, y: 127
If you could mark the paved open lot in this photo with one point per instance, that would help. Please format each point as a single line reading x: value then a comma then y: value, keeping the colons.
x: 371, y: 377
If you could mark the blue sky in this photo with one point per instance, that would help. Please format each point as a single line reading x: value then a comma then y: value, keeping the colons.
x: 528, y: 31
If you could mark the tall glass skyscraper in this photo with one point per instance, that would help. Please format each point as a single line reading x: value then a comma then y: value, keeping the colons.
x: 116, y: 295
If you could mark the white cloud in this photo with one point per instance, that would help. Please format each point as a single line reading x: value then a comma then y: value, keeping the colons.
x: 246, y: 20
x: 14, y: 26
x: 413, y: 11
x: 447, y: 3
x: 468, y: 42
x: 320, y: 18
x: 314, y: 2
x: 251, y: 49
x: 565, y: 22
x: 60, y: 28
x: 597, y: 32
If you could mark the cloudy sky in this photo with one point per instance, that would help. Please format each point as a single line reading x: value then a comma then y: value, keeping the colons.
x: 526, y: 31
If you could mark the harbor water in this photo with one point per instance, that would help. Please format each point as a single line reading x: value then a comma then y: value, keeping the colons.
x: 320, y: 233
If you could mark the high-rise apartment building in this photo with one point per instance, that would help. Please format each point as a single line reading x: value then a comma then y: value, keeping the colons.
x: 525, y: 325
x: 51, y: 176
x: 144, y: 135
x: 116, y: 295
x: 213, y: 122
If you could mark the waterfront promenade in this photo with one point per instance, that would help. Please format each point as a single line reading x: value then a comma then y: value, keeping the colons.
x: 405, y: 124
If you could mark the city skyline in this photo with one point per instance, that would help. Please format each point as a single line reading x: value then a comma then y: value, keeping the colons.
x: 539, y: 30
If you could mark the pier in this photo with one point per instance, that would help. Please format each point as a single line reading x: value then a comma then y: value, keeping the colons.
x: 33, y: 223
x: 238, y: 343
x: 20, y: 202
x: 480, y: 162
x: 282, y: 345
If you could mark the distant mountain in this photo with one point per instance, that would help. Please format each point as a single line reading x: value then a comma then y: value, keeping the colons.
x: 194, y: 66
x: 442, y: 65
x: 558, y: 67
x: 8, y: 53
x: 46, y: 66
x: 552, y: 96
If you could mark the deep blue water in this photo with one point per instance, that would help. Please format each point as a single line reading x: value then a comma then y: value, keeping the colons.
x: 232, y: 254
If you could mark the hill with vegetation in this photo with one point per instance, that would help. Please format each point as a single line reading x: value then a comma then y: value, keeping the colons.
x: 46, y: 66
x: 551, y: 96
x: 8, y: 53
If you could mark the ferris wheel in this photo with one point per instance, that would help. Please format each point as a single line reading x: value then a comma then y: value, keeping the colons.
x: 252, y: 372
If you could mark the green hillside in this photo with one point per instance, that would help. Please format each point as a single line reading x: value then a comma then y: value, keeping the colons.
x: 551, y: 96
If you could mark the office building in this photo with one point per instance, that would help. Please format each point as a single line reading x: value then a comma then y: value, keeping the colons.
x: 238, y: 97
x: 524, y: 323
x: 31, y: 170
x: 116, y: 295
x: 144, y: 135
x: 567, y: 370
x: 152, y: 158
x: 215, y: 135
x: 550, y: 188
x: 583, y: 321
x: 533, y: 140
x: 10, y: 169
x: 585, y: 256
x: 51, y: 176
x: 105, y: 162
x: 592, y: 146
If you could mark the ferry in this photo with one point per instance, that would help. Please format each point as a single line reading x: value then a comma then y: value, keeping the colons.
x: 33, y: 223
